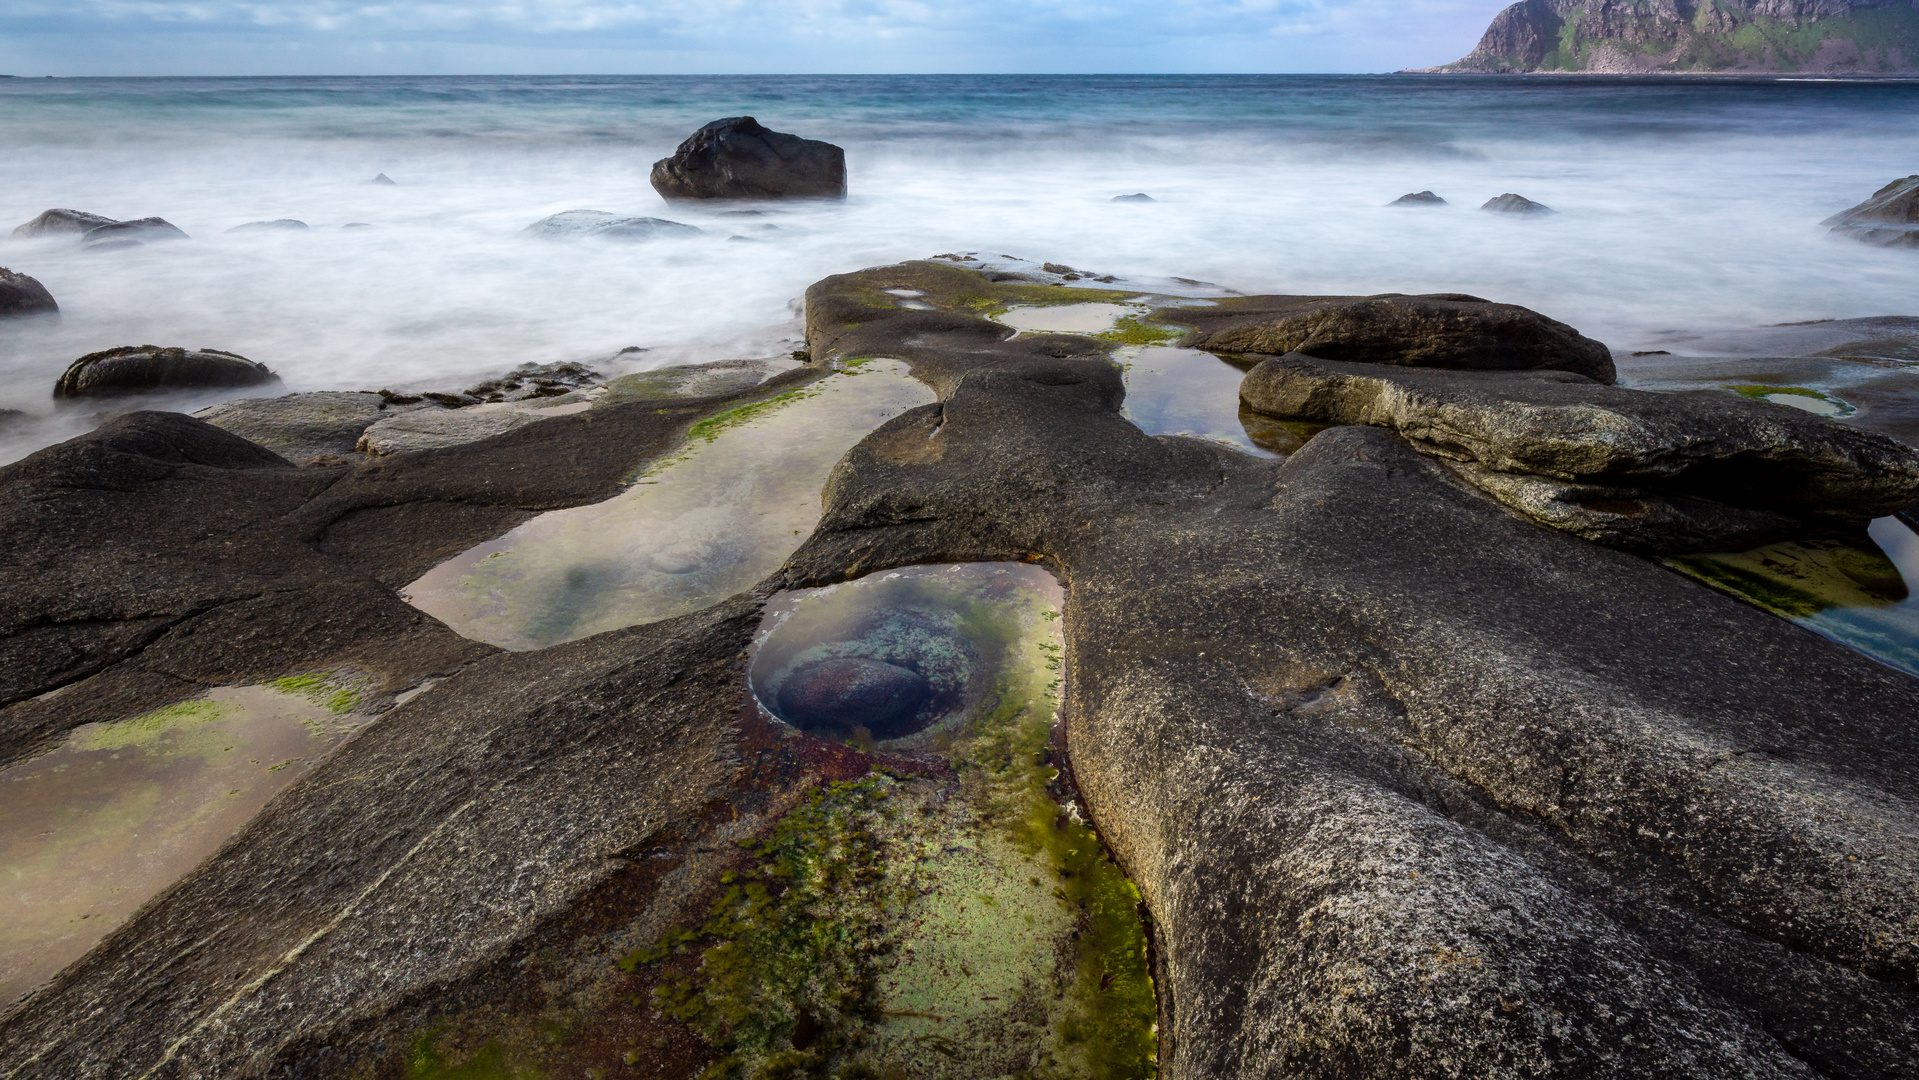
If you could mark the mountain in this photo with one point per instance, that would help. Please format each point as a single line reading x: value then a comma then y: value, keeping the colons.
x: 1634, y: 36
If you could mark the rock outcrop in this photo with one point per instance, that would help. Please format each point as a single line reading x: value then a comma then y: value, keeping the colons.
x: 1889, y: 219
x: 61, y: 223
x: 302, y: 427
x: 1418, y: 198
x: 277, y: 225
x: 1510, y: 203
x: 737, y: 158
x: 134, y: 369
x: 690, y: 381
x: 1649, y: 36
x: 126, y: 234
x: 1443, y: 330
x: 573, y: 224
x: 23, y: 295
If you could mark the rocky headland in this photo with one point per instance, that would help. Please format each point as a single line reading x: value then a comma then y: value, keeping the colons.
x: 1410, y: 767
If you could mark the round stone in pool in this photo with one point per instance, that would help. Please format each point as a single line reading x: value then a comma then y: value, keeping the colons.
x: 849, y: 692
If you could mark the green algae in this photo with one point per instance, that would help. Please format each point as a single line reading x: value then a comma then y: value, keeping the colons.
x: 1799, y: 579
x: 489, y: 1062
x: 146, y: 731
x: 341, y: 693
x: 1134, y: 330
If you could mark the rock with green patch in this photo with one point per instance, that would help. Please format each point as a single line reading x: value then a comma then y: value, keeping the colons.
x: 691, y: 381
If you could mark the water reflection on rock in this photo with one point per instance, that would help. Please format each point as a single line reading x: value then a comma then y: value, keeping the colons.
x: 714, y: 519
x: 1172, y: 391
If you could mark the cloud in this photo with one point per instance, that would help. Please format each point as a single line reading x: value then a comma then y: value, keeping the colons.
x: 749, y: 35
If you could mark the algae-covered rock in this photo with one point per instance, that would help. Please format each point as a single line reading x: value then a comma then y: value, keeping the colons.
x: 737, y: 158
x: 1889, y: 219
x: 134, y: 369
x: 1445, y: 330
x: 23, y: 295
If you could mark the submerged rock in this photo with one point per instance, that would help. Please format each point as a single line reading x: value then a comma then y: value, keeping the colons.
x: 1516, y: 204
x: 571, y: 224
x: 302, y: 427
x: 1137, y: 196
x: 1418, y: 198
x: 737, y: 158
x: 61, y: 223
x: 122, y: 234
x: 23, y: 295
x: 849, y: 692
x: 1889, y: 219
x: 133, y: 369
x: 383, y: 180
x: 280, y: 225
x: 1445, y: 330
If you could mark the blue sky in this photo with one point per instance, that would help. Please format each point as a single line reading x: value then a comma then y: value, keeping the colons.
x: 307, y: 37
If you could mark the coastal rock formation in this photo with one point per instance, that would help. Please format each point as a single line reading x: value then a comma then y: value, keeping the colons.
x: 302, y: 427
x: 1510, y: 203
x: 1643, y: 36
x: 1889, y: 219
x: 1418, y: 198
x: 432, y: 428
x: 23, y: 295
x: 133, y: 369
x: 61, y: 223
x: 571, y: 224
x: 124, y: 234
x: 737, y: 158
x: 278, y: 225
x: 690, y: 381
x: 1645, y: 471
x: 1444, y: 330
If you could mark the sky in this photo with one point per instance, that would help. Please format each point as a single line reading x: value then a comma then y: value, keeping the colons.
x: 413, y: 37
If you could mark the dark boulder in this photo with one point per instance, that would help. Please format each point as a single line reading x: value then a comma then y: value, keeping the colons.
x: 122, y: 234
x: 849, y: 692
x: 1444, y: 330
x: 1516, y: 204
x: 133, y: 369
x: 1419, y: 198
x: 571, y: 224
x: 281, y: 225
x: 1889, y: 219
x: 737, y: 158
x: 61, y: 223
x: 22, y: 295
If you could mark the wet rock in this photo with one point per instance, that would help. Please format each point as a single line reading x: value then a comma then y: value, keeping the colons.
x: 302, y: 427
x: 849, y: 692
x: 1137, y: 196
x: 571, y: 224
x: 383, y: 180
x: 435, y: 428
x: 531, y: 381
x: 280, y: 225
x: 1445, y: 330
x: 1889, y: 219
x: 1648, y: 471
x: 23, y: 295
x: 61, y: 223
x: 737, y: 158
x: 133, y: 369
x: 691, y: 381
x: 1516, y: 204
x: 124, y: 234
x: 1418, y: 198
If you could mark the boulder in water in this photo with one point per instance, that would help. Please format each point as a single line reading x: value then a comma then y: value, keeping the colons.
x: 383, y: 180
x: 1889, y: 219
x: 1137, y: 196
x: 133, y: 369
x: 737, y: 158
x: 281, y: 225
x: 851, y: 691
x: 571, y: 224
x: 61, y: 223
x: 121, y: 234
x: 1420, y: 198
x: 22, y: 295
x: 1516, y: 204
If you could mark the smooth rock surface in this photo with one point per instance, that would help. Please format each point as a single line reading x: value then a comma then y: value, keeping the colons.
x: 1889, y: 219
x: 737, y: 158
x: 1516, y: 204
x: 23, y: 295
x: 133, y: 369
x: 433, y: 428
x: 121, y: 234
x: 301, y: 427
x: 1444, y: 330
x: 690, y: 380
x: 61, y: 223
x: 572, y: 224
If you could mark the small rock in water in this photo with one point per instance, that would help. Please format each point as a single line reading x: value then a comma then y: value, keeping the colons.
x: 1137, y: 196
x: 22, y: 295
x: 850, y: 692
x: 737, y: 158
x: 1424, y: 198
x: 598, y: 223
x: 383, y: 180
x: 1516, y: 204
x: 60, y: 223
x: 121, y: 234
x: 1889, y: 219
x: 281, y: 225
x: 357, y: 225
x: 132, y: 369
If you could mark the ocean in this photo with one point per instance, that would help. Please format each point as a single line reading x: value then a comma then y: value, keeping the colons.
x: 1684, y: 204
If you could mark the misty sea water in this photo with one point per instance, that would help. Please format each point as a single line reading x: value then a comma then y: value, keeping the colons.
x: 1684, y: 203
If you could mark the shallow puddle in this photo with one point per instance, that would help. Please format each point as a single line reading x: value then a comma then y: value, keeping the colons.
x: 708, y: 522
x: 1171, y: 391
x: 93, y: 829
x: 1067, y: 318
x: 945, y: 917
x: 1856, y: 596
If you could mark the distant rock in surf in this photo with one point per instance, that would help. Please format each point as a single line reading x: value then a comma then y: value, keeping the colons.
x: 572, y: 224
x: 125, y: 234
x: 737, y: 158
x: 383, y: 180
x: 133, y: 369
x: 1889, y: 219
x: 1137, y: 196
x: 22, y: 295
x: 281, y: 225
x: 1419, y: 198
x: 357, y: 225
x: 1516, y: 204
x: 61, y: 223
